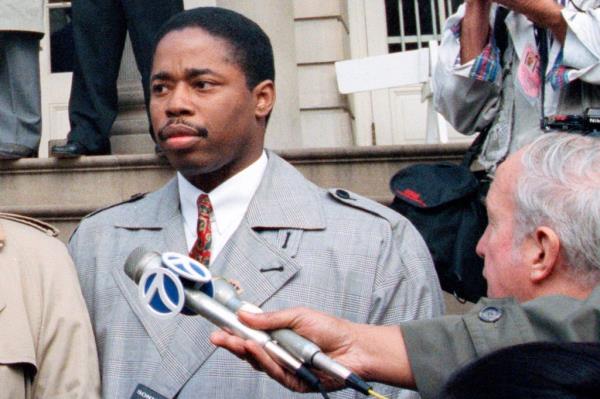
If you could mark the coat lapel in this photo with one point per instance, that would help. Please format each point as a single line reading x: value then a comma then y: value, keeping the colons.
x: 246, y: 257
x: 280, y: 203
x: 161, y: 223
x: 183, y: 341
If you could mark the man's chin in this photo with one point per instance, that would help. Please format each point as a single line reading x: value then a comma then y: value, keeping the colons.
x: 191, y: 168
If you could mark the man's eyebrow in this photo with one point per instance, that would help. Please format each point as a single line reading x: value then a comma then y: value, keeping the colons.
x: 190, y: 73
x: 161, y: 76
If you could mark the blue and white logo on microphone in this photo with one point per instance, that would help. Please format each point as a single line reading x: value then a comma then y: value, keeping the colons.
x: 162, y: 292
x: 186, y: 267
x: 190, y: 270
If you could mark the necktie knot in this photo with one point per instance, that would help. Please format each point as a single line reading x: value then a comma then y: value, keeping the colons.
x: 204, y: 206
x: 201, y: 249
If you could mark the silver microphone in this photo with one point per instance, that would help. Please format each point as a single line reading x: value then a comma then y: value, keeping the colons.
x: 142, y: 260
x: 294, y: 343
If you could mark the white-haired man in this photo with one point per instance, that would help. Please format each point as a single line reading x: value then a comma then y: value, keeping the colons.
x: 542, y: 265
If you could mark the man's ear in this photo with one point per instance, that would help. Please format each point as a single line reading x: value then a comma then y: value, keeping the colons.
x: 543, y: 253
x: 264, y: 94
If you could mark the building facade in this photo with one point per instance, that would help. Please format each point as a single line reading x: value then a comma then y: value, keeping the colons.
x: 308, y: 37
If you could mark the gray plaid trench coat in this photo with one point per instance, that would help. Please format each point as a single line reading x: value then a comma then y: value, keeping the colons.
x: 342, y: 254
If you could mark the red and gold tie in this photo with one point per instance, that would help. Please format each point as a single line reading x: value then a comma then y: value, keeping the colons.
x: 201, y: 249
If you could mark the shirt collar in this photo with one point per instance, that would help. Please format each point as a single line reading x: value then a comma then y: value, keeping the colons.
x: 229, y: 200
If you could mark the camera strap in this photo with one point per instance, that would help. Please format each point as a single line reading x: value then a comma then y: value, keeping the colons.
x: 500, y: 32
x: 541, y: 39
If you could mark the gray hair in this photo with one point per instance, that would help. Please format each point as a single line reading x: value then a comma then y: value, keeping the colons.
x: 559, y: 187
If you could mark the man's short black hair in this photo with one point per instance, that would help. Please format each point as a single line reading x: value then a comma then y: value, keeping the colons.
x: 251, y: 47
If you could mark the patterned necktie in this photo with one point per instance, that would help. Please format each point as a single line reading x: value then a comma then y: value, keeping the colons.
x: 201, y: 249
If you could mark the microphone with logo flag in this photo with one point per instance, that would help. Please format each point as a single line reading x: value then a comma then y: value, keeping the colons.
x: 176, y: 270
x: 172, y: 283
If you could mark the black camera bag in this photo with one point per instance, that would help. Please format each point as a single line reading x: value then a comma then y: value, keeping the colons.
x: 444, y: 202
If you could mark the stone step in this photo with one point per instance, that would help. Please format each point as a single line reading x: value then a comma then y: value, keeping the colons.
x: 121, y: 144
x: 62, y: 191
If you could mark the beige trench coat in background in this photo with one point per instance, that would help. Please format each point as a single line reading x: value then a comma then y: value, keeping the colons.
x: 47, y: 347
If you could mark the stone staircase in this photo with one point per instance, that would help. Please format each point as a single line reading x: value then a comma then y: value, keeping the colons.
x: 62, y: 191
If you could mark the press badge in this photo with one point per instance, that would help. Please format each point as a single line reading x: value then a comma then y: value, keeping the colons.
x: 528, y: 73
x: 143, y: 392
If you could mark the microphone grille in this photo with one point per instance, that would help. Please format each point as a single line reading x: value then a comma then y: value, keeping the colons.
x: 138, y: 260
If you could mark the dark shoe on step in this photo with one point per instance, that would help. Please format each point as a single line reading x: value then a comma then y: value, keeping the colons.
x: 72, y: 150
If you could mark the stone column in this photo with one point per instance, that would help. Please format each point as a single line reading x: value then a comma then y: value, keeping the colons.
x: 276, y: 17
x: 130, y: 131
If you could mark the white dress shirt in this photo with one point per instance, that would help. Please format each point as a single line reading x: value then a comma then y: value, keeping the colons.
x: 229, y: 201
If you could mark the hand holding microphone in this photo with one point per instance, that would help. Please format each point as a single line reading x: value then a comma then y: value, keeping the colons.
x: 173, y: 283
x: 294, y: 343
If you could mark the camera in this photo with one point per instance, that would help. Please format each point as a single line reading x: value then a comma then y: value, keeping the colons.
x: 587, y: 123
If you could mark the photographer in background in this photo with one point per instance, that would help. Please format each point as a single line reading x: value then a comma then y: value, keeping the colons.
x: 510, y: 70
x: 501, y: 60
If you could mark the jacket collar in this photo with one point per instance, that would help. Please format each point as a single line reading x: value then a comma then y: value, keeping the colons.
x: 284, y: 199
x: 159, y: 209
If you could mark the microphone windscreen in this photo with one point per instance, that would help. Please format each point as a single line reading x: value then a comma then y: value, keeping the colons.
x: 139, y: 260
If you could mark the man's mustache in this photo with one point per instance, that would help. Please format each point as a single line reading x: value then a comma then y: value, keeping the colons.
x: 163, y: 132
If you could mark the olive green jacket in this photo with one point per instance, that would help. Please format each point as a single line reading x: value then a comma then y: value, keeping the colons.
x: 438, y: 347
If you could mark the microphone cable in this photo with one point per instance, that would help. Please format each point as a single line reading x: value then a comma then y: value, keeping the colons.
x: 376, y: 395
x: 353, y: 381
x: 311, y: 379
x: 358, y: 384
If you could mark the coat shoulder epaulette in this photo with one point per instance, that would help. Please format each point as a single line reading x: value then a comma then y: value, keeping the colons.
x: 358, y: 201
x: 32, y: 222
x: 133, y: 198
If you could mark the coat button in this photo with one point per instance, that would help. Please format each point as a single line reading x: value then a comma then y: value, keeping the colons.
x: 343, y: 194
x: 490, y: 314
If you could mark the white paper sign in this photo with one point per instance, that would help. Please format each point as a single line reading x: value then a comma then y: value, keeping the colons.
x: 383, y: 71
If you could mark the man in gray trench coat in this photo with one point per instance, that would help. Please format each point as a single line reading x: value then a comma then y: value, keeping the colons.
x: 542, y: 265
x: 285, y: 240
x: 21, y: 28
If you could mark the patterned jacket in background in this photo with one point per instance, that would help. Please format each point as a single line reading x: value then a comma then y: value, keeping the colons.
x: 486, y: 93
